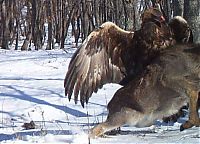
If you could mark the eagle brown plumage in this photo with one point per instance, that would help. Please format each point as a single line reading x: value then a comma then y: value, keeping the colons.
x: 113, y: 55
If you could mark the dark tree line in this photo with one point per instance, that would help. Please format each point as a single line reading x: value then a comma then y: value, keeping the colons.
x: 40, y: 22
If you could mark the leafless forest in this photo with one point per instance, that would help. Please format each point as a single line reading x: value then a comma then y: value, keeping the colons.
x: 34, y: 22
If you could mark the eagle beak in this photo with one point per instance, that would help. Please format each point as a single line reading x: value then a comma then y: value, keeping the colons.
x: 162, y: 19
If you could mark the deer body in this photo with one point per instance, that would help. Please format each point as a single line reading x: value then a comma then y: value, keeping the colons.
x: 169, y: 82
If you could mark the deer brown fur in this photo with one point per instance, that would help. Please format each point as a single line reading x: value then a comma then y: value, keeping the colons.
x: 168, y: 83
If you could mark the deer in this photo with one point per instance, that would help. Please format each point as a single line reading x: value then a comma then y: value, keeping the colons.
x: 171, y: 81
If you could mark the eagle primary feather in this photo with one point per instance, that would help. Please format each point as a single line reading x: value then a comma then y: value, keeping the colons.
x: 97, y: 61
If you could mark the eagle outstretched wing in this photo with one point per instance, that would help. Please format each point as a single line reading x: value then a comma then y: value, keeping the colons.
x: 113, y: 55
x: 97, y: 61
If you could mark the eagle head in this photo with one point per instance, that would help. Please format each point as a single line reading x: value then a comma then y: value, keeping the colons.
x: 152, y: 15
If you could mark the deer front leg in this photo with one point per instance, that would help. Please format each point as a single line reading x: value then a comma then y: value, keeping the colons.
x: 193, y: 111
x: 114, y: 121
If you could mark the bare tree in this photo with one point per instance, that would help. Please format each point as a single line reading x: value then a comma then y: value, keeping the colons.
x: 38, y: 21
x: 192, y: 15
x: 27, y: 32
x: 5, y: 20
x: 178, y: 7
x: 49, y: 9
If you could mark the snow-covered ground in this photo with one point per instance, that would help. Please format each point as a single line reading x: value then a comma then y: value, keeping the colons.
x: 31, y: 88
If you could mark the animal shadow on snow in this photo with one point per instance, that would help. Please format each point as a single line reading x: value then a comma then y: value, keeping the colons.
x: 22, y: 135
x: 15, y: 92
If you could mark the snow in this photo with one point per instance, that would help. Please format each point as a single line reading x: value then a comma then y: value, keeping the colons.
x: 31, y: 88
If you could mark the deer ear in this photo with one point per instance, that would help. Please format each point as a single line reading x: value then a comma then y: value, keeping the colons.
x: 190, y: 39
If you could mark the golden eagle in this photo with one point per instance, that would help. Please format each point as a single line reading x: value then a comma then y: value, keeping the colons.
x: 113, y: 55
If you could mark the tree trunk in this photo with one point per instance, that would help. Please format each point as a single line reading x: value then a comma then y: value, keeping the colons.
x: 178, y: 6
x: 5, y: 24
x: 26, y: 42
x: 167, y: 9
x: 66, y: 23
x: 192, y: 15
x: 50, y: 42
x: 29, y: 30
x: 36, y: 23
